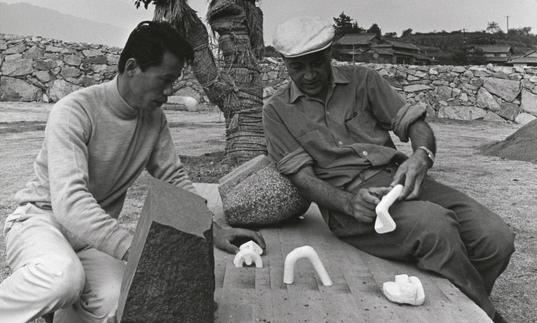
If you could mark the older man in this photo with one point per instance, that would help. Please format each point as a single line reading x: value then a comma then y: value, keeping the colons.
x: 328, y: 132
x: 64, y: 244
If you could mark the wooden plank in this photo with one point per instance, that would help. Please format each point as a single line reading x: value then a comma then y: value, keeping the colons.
x: 170, y: 273
x: 356, y: 295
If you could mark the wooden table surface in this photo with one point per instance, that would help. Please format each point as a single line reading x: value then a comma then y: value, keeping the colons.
x: 252, y: 294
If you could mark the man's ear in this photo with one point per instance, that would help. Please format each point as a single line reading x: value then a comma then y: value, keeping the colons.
x: 131, y: 66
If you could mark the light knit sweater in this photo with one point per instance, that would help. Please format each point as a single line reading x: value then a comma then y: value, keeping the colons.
x: 95, y: 147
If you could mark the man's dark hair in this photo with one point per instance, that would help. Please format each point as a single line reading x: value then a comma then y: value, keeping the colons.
x: 149, y: 41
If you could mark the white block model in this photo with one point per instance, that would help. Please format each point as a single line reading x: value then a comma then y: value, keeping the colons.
x: 384, y: 222
x: 405, y: 290
x: 252, y: 246
x: 309, y: 253
x: 250, y: 252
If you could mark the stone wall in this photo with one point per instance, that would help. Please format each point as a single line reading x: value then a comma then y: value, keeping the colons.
x: 494, y: 93
x: 39, y: 69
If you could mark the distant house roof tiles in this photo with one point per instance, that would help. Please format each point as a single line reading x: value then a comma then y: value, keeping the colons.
x: 401, y: 44
x: 355, y: 39
x: 528, y: 58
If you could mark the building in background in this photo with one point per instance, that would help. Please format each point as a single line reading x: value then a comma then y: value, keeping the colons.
x: 369, y: 48
x: 496, y: 54
x: 528, y: 59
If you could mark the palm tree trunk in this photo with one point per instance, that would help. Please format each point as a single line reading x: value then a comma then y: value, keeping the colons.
x: 236, y: 88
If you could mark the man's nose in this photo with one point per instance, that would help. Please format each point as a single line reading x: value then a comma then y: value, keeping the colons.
x: 309, y: 74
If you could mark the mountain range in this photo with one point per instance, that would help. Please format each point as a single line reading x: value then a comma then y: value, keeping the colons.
x: 37, y: 18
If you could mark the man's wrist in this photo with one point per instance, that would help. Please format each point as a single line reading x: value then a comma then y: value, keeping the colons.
x: 429, y: 155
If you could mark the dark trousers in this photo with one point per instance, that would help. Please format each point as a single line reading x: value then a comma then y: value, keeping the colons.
x: 444, y: 231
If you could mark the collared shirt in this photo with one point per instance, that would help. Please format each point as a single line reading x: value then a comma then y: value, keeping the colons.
x: 342, y: 136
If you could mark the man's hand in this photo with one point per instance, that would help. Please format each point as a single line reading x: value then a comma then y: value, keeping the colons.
x: 411, y: 174
x: 364, y: 202
x: 224, y: 236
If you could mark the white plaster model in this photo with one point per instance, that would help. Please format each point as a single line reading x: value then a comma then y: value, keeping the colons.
x: 309, y: 253
x: 405, y: 290
x: 247, y: 256
x: 251, y: 245
x: 384, y: 222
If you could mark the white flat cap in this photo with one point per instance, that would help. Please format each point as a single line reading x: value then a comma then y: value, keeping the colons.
x: 303, y: 35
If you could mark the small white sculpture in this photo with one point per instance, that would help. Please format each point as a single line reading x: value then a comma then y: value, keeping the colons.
x: 309, y: 253
x: 405, y: 290
x: 250, y: 252
x: 384, y: 222
x: 252, y: 246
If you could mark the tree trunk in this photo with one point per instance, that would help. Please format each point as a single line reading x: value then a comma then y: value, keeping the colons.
x: 236, y: 89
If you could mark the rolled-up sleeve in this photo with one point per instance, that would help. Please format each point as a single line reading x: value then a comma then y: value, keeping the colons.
x: 406, y: 116
x: 390, y: 108
x: 282, y: 147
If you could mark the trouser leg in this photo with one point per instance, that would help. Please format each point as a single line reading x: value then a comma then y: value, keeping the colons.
x: 46, y: 273
x: 488, y: 239
x: 463, y: 248
x: 98, y: 302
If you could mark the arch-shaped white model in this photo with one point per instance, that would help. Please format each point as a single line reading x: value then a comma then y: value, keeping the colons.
x: 384, y: 222
x: 309, y: 253
x: 247, y: 256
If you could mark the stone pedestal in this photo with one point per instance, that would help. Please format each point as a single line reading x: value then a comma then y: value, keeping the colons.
x: 255, y: 194
x: 170, y: 272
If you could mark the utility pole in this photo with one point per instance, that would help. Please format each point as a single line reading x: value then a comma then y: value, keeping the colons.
x: 507, y: 30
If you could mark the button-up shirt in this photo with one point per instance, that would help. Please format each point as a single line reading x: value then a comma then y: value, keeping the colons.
x: 345, y: 134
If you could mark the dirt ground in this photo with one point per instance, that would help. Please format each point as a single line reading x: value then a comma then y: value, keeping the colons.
x: 505, y: 186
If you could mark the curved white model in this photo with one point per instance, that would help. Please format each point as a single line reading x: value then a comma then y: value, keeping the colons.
x: 384, y: 222
x: 247, y: 256
x: 309, y: 253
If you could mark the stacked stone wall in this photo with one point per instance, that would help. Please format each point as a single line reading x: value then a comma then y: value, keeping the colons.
x: 493, y: 93
x: 39, y: 69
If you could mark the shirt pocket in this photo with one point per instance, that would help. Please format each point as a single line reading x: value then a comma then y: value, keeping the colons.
x: 363, y: 128
x: 320, y: 148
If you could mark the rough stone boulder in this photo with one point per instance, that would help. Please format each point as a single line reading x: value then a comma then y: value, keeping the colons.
x: 170, y: 272
x: 486, y: 100
x: 461, y: 113
x: 256, y: 194
x: 18, y: 67
x: 13, y: 89
x: 505, y: 89
x: 61, y: 88
x: 529, y: 102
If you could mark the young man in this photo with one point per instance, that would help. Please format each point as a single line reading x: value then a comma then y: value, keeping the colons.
x: 64, y: 244
x: 328, y: 132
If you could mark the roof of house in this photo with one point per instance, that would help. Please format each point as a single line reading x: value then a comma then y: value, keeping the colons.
x: 528, y: 58
x: 355, y: 39
x: 402, y: 44
x: 494, y: 48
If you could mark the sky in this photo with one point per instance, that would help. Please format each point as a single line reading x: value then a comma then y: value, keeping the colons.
x: 390, y: 15
x: 398, y: 15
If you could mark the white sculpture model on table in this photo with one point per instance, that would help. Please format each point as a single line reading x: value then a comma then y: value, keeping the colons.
x: 309, y: 253
x: 405, y: 290
x: 249, y: 252
x: 384, y: 222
